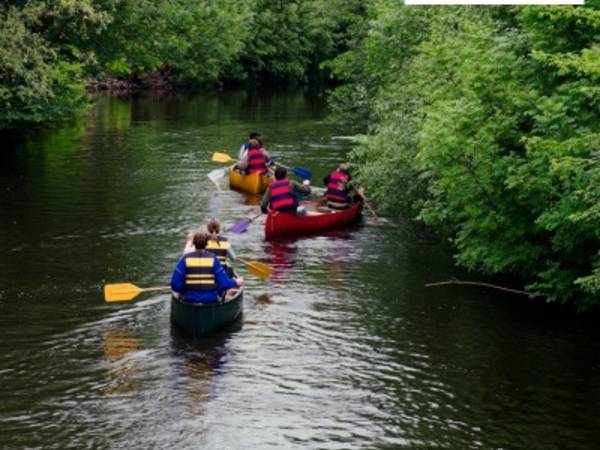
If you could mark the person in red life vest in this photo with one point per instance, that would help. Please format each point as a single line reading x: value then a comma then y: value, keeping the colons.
x: 339, y: 194
x: 199, y: 276
x: 246, y: 145
x: 255, y: 159
x: 282, y: 195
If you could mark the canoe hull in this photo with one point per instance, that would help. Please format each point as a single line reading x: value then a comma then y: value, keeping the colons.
x: 285, y: 225
x: 200, y: 320
x: 253, y: 184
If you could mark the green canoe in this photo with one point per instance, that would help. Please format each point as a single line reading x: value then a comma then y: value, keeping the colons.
x: 199, y: 320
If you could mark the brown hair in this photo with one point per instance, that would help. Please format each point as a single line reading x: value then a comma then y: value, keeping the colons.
x: 280, y: 173
x: 214, y: 228
x: 200, y: 240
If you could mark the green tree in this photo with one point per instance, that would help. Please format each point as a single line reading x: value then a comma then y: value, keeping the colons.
x: 286, y: 41
x: 484, y: 124
x: 38, y: 83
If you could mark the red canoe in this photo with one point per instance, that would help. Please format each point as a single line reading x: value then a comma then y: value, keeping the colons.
x: 280, y: 224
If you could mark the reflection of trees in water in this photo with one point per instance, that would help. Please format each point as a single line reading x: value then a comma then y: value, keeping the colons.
x: 118, y: 344
x: 198, y: 362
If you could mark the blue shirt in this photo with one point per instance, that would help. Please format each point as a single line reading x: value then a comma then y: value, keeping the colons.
x: 221, y: 279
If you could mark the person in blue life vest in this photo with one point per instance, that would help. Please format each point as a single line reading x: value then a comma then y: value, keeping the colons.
x: 220, y: 246
x: 339, y: 193
x: 255, y: 159
x: 199, y: 276
x: 282, y: 195
x: 246, y: 145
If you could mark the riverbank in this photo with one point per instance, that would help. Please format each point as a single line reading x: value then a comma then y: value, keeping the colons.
x: 158, y: 80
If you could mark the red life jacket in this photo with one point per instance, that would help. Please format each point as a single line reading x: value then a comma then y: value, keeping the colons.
x: 257, y: 163
x: 281, y: 194
x: 335, y: 188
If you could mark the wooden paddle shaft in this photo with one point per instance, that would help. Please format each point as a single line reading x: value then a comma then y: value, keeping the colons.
x: 161, y: 288
x: 369, y: 207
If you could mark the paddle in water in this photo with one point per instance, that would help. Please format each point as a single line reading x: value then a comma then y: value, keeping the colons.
x: 300, y: 172
x: 258, y: 269
x: 123, y: 292
x: 221, y: 157
x: 361, y: 192
x: 242, y: 225
x: 217, y: 174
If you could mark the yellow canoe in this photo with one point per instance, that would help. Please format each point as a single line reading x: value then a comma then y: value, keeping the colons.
x: 254, y: 184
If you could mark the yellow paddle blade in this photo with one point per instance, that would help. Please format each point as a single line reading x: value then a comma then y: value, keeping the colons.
x: 120, y: 292
x: 258, y: 269
x: 221, y: 157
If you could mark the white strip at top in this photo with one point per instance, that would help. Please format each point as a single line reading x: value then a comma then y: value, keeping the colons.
x: 494, y: 2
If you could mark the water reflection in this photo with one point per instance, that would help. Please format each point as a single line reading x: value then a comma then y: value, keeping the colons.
x: 118, y: 344
x: 281, y: 255
x: 199, y: 363
x: 338, y: 248
x: 251, y: 199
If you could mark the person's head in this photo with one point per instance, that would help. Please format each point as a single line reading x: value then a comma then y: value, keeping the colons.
x: 254, y: 135
x: 214, y: 226
x: 342, y: 167
x: 200, y: 240
x: 280, y: 173
x: 254, y: 143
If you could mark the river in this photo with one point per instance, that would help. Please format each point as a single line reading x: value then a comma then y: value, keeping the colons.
x: 343, y: 347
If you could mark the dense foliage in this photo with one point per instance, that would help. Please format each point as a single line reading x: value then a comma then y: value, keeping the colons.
x: 485, y: 123
x: 49, y: 48
x: 39, y: 81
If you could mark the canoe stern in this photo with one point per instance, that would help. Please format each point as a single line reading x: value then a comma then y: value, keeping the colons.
x: 199, y: 320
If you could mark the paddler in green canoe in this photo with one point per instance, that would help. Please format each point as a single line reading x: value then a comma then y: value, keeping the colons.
x: 199, y: 275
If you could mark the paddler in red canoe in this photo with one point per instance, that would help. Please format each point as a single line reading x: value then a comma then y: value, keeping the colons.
x: 282, y: 195
x: 340, y: 194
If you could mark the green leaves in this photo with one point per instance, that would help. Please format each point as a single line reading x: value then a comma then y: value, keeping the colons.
x: 485, y: 124
x: 48, y: 49
x: 36, y: 86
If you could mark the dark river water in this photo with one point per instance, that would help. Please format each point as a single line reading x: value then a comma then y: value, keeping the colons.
x: 342, y: 348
